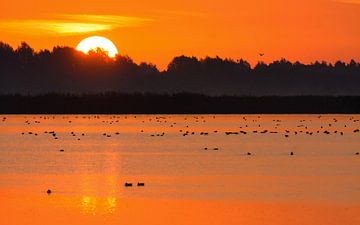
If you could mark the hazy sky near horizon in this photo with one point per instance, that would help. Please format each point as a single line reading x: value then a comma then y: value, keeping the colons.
x: 156, y: 31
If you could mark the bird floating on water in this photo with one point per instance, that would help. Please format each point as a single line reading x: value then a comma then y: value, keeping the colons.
x: 128, y: 184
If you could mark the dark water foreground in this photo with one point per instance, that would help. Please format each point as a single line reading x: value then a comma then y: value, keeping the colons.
x: 118, y: 103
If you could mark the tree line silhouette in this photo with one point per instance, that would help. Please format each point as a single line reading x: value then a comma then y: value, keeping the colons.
x: 65, y: 70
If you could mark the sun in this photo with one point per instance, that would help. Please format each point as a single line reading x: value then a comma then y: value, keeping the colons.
x: 96, y: 42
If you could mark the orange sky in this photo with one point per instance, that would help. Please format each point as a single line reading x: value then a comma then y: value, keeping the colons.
x: 156, y: 31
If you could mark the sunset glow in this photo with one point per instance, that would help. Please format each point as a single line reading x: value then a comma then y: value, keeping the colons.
x: 234, y: 29
x: 196, y: 112
x: 94, y: 43
x: 68, y: 24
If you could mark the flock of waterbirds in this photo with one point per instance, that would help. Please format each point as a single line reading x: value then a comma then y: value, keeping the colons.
x: 248, y: 125
x: 244, y: 130
x: 127, y: 184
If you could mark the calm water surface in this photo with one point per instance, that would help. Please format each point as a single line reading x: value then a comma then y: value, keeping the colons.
x: 197, y: 169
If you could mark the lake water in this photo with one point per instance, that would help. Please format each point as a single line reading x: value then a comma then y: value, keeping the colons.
x: 197, y: 169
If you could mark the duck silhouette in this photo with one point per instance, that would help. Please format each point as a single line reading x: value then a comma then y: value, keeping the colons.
x: 128, y: 184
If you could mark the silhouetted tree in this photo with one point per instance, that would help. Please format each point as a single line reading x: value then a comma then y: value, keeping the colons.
x: 64, y: 69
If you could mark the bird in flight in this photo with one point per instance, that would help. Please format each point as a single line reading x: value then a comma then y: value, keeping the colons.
x: 261, y: 54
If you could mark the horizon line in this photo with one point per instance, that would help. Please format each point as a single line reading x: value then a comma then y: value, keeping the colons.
x: 198, y: 58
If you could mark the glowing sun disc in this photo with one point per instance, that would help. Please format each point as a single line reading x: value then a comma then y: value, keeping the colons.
x: 96, y: 42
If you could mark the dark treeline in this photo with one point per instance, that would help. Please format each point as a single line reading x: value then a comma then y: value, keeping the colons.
x: 182, y: 103
x: 65, y: 70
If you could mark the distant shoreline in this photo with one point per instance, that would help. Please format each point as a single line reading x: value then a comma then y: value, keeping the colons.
x: 185, y: 103
x: 66, y: 70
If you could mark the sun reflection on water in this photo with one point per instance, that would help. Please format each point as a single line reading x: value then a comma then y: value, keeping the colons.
x: 94, y: 205
x: 99, y: 191
x: 111, y: 203
x: 92, y: 202
x: 88, y: 204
